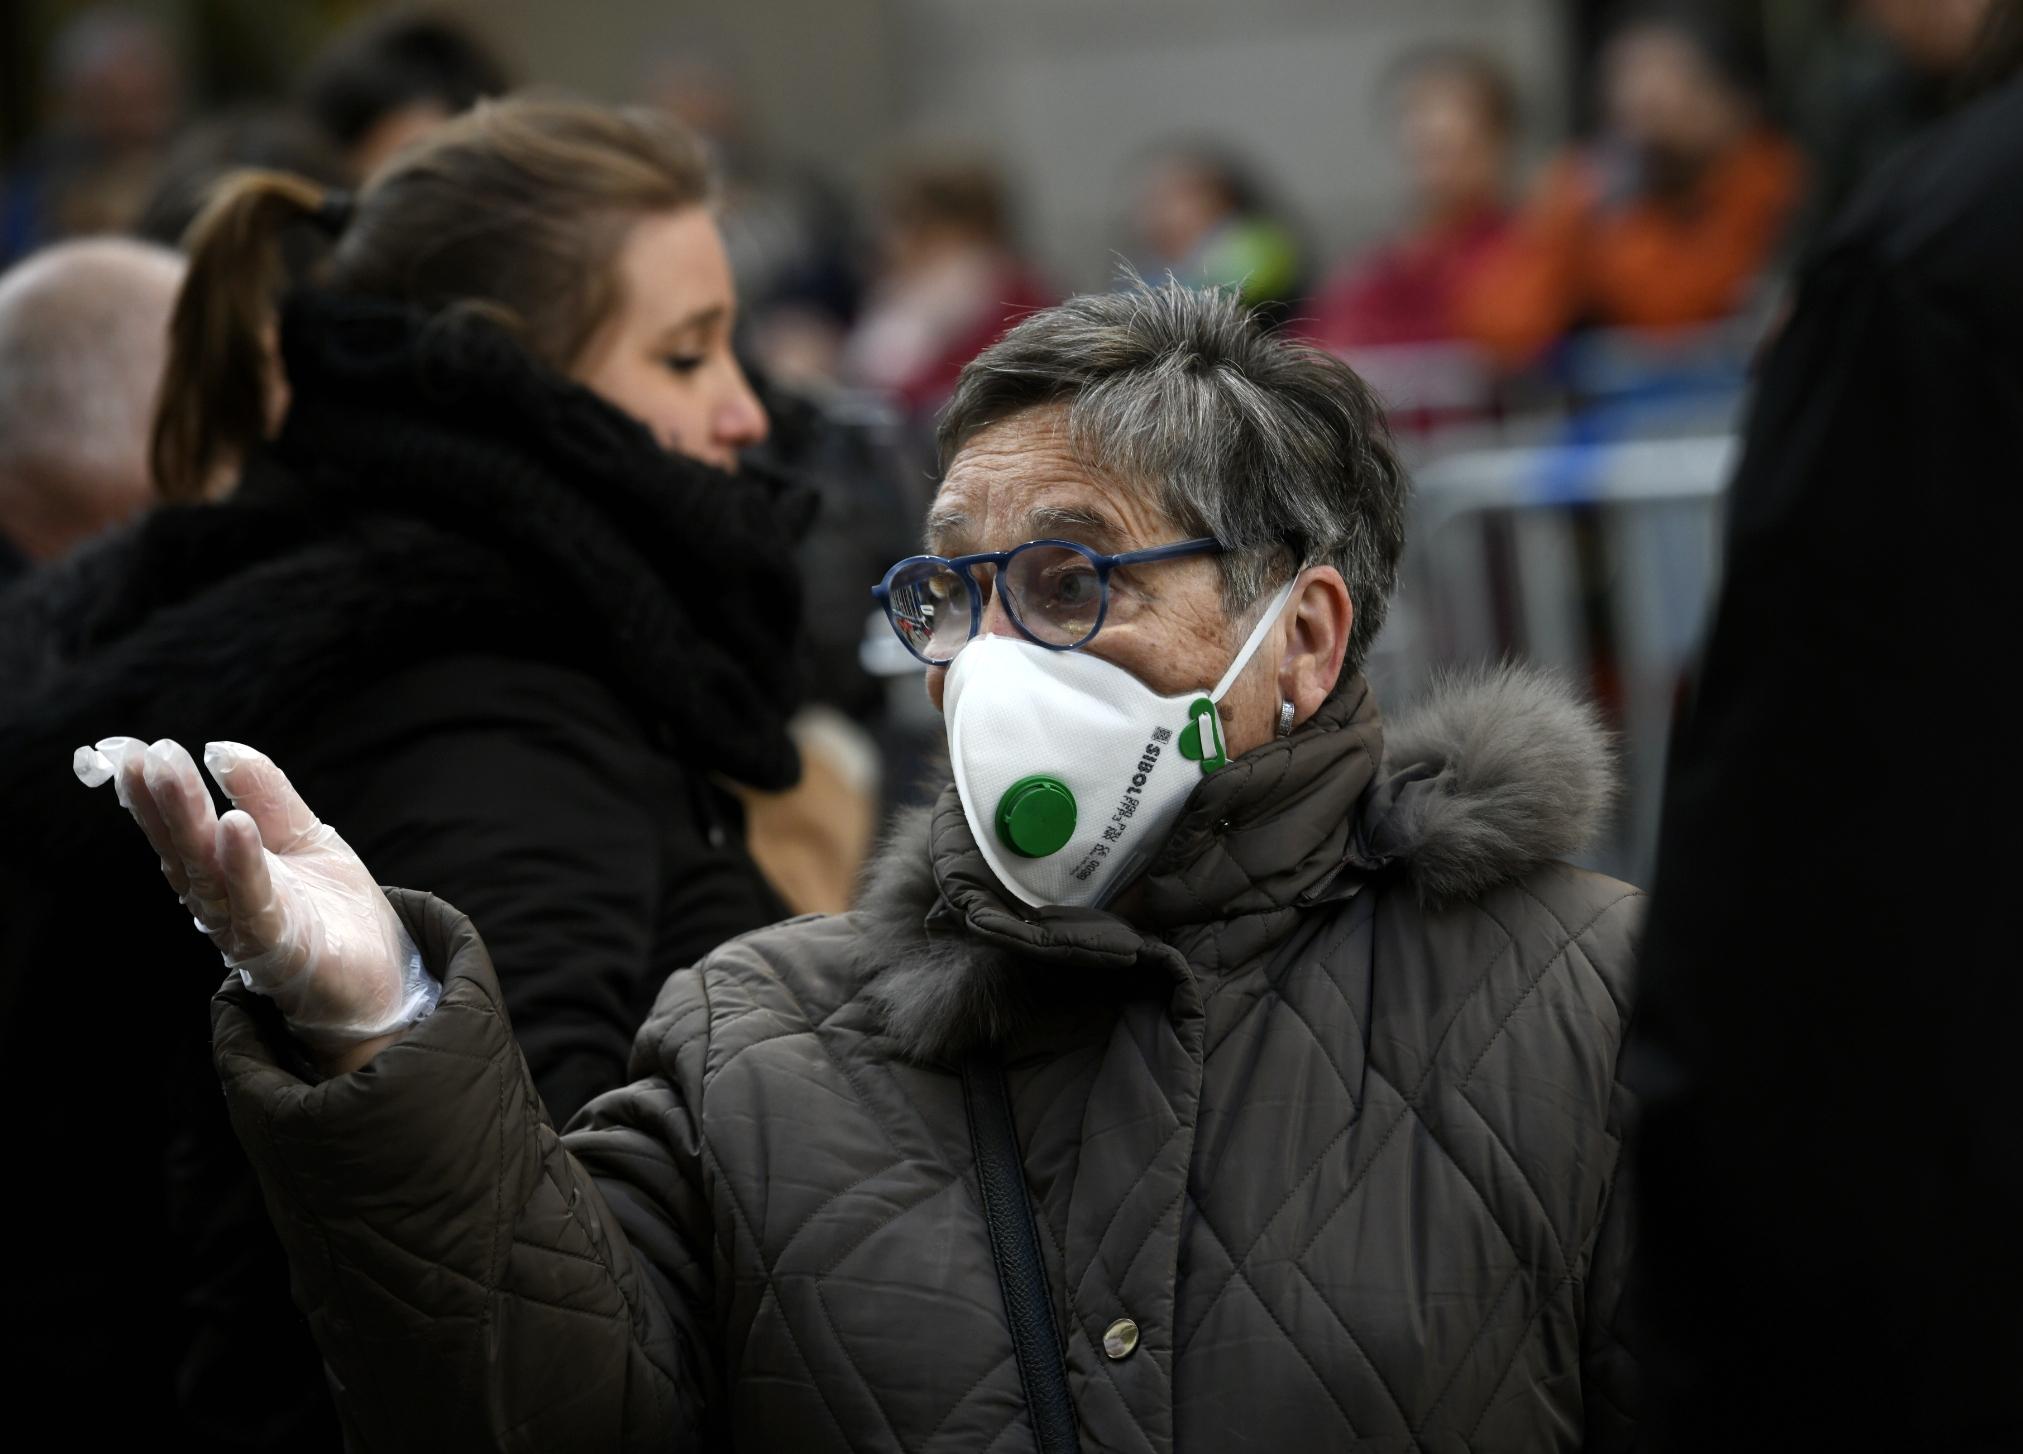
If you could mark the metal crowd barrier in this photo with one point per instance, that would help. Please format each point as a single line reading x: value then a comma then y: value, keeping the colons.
x: 1597, y: 560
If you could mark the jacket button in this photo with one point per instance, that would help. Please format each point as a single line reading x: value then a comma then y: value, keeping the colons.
x: 1120, y: 1339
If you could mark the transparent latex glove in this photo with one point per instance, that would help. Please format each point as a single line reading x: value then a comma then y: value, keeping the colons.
x: 284, y: 898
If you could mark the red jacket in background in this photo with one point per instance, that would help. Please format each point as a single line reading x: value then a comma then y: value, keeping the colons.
x: 1406, y: 290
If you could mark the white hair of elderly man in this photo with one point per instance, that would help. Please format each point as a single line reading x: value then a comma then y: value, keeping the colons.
x: 83, y: 342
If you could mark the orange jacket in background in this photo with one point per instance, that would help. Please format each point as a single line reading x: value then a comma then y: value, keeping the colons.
x: 1642, y: 263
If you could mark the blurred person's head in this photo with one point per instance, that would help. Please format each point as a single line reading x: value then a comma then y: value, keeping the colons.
x: 1185, y: 193
x: 704, y: 95
x: 114, y: 94
x: 387, y: 83
x: 582, y: 231
x: 1938, y: 36
x: 1204, y: 217
x: 1457, y: 119
x: 114, y: 77
x: 83, y: 339
x: 1678, y: 88
x: 935, y: 208
x: 267, y: 138
x: 1156, y: 415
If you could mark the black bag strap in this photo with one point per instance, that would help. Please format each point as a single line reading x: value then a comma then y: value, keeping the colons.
x: 1015, y: 1247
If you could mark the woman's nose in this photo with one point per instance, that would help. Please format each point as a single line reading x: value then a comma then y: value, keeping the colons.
x: 740, y: 419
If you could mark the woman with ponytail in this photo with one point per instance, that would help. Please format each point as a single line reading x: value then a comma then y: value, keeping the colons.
x: 455, y: 526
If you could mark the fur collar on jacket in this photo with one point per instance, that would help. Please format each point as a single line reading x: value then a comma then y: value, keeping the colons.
x: 434, y: 492
x: 1493, y: 773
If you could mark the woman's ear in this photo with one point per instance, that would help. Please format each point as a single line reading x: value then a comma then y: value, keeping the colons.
x: 1317, y: 639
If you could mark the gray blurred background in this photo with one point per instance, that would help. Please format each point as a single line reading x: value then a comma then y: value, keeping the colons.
x: 1552, y: 233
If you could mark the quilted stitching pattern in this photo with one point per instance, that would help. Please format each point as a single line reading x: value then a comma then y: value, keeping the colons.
x: 1271, y: 1247
x: 1495, y: 1291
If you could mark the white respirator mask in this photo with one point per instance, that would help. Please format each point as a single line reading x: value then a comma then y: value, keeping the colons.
x: 1072, y: 772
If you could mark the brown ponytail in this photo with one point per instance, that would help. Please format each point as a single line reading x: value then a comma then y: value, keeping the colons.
x: 513, y: 211
x: 214, y: 396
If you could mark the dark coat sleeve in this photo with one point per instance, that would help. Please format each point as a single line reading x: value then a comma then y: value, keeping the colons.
x: 473, y: 1284
x: 528, y: 796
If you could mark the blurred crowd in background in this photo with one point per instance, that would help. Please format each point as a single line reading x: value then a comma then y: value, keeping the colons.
x: 1564, y: 346
x: 1555, y: 236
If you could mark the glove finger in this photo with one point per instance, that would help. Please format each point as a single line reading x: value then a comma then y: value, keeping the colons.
x: 116, y: 750
x: 261, y: 790
x: 185, y: 805
x: 139, y: 800
x: 93, y: 768
x: 259, y: 917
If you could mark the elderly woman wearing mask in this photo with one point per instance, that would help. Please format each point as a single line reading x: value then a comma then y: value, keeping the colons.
x: 1209, y: 1067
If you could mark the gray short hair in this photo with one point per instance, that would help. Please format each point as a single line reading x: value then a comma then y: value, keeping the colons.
x: 1277, y: 450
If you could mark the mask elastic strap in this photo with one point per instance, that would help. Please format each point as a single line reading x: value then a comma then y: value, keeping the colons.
x: 1257, y: 635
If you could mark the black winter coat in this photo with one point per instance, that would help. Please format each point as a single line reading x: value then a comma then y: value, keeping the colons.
x: 508, y: 644
x: 1832, y: 1159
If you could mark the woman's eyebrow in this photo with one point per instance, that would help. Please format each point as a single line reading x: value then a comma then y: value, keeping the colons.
x: 703, y: 320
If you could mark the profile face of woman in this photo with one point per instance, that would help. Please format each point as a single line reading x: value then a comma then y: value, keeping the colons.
x: 664, y: 355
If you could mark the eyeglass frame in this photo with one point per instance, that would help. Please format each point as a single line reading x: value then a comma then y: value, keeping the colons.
x: 1104, y: 565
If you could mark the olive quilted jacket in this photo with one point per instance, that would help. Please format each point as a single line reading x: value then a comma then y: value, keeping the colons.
x: 1333, y: 1122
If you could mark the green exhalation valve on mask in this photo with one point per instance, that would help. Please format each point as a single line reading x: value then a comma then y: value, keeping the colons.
x: 1036, y: 816
x: 1201, y: 738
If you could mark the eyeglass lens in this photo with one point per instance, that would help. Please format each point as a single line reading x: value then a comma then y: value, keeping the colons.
x: 929, y: 606
x: 1056, y: 594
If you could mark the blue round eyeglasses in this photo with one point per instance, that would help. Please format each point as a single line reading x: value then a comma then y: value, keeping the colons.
x: 1056, y: 592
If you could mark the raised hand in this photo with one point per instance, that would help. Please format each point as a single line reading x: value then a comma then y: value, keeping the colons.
x: 286, y: 901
